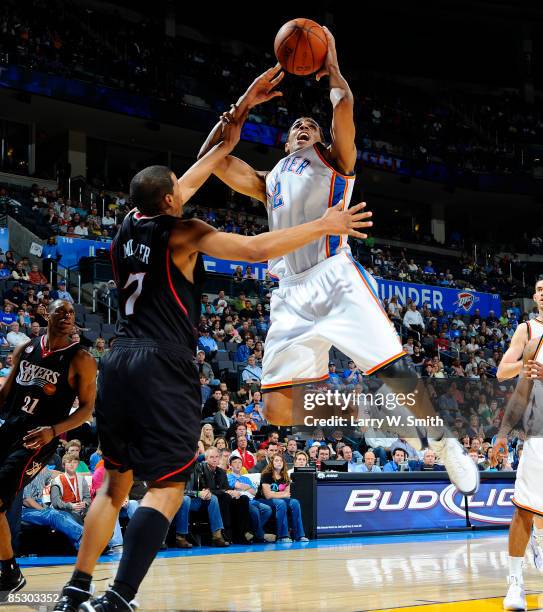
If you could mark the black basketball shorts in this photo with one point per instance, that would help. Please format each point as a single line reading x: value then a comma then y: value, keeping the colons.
x: 148, y: 409
x: 19, y: 465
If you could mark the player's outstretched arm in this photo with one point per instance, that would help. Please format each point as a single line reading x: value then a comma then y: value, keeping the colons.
x: 205, y: 239
x: 511, y: 363
x: 343, y: 149
x: 234, y: 172
x: 199, y: 172
x: 84, y: 367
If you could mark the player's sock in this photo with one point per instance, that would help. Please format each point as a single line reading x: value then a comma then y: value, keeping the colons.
x: 81, y: 580
x: 9, y: 566
x: 515, y: 568
x: 139, y: 552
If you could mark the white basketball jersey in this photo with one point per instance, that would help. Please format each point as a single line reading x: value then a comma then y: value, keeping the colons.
x: 299, y: 189
x: 533, y: 416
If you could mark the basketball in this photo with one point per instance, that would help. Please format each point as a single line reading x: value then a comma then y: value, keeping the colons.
x: 300, y: 46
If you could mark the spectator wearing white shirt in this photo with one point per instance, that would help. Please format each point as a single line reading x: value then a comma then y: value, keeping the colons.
x: 107, y: 219
x: 15, y: 337
x: 413, y: 319
x: 394, y: 309
x: 81, y: 229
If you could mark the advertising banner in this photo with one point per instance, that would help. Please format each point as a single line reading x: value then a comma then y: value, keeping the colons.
x: 457, y: 301
x: 377, y: 506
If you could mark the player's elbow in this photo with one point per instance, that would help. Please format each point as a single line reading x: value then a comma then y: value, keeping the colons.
x: 255, y: 251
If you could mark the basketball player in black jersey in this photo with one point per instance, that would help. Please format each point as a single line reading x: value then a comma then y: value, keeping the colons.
x: 148, y: 406
x: 48, y: 373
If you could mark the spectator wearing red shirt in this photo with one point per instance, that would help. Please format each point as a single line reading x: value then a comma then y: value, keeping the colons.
x: 273, y: 436
x: 247, y: 459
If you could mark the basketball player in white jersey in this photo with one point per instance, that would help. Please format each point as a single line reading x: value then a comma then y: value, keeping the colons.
x: 528, y: 497
x: 324, y: 297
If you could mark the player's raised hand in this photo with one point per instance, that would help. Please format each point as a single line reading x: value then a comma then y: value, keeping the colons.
x: 262, y: 89
x: 348, y: 221
x: 331, y: 56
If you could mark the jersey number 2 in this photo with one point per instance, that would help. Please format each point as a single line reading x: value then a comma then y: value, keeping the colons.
x: 277, y: 198
x: 131, y: 301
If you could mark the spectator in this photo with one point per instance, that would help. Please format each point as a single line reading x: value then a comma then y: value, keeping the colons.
x: 352, y: 375
x: 35, y: 330
x: 36, y: 512
x: 69, y: 491
x: 99, y: 349
x: 369, y: 464
x: 259, y: 512
x: 273, y: 438
x: 205, y: 369
x: 212, y: 404
x: 74, y: 447
x: 428, y: 463
x: 206, y: 436
x: 15, y: 295
x: 19, y: 273
x: 8, y: 364
x: 269, y: 454
x: 347, y: 454
x: 247, y: 458
x: 413, y: 319
x: 206, y: 343
x: 398, y: 463
x: 244, y: 350
x: 290, y: 453
x: 198, y: 496
x: 221, y: 422
x: 334, y: 379
x: 4, y: 271
x: 16, y: 337
x: 234, y: 508
x: 61, y: 293
x: 252, y: 374
x: 7, y: 316
x: 275, y: 492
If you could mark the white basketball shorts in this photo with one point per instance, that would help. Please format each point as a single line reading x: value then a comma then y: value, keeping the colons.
x: 334, y: 303
x: 528, y: 485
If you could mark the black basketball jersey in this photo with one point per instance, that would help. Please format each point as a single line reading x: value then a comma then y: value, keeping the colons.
x: 155, y: 300
x: 41, y: 393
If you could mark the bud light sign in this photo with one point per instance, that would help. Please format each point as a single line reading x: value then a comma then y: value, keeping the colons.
x: 370, y: 507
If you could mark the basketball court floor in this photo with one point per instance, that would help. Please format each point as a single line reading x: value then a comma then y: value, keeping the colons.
x: 464, y: 572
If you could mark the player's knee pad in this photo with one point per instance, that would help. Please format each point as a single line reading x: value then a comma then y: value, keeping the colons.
x: 402, y: 373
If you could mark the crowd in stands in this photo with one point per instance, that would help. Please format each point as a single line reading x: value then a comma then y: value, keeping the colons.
x: 464, y: 131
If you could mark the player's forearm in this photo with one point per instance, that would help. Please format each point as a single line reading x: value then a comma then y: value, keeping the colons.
x: 280, y: 242
x: 213, y: 138
x: 199, y: 172
x: 340, y: 92
x: 77, y: 418
x: 509, y: 370
x: 516, y: 406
